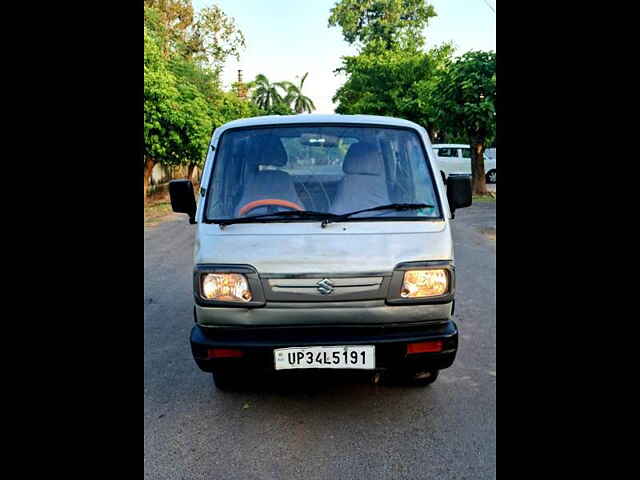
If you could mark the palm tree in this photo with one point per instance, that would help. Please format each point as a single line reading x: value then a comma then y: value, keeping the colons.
x: 266, y: 94
x: 295, y: 97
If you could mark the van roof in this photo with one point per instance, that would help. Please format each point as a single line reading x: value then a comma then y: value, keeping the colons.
x: 317, y: 118
x: 450, y: 145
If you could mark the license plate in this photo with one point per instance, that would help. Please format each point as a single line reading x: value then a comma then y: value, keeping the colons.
x: 349, y: 356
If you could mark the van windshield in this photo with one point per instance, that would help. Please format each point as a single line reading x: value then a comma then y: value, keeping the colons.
x: 316, y: 168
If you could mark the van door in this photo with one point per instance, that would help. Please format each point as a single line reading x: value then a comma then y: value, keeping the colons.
x: 447, y: 158
x: 463, y: 164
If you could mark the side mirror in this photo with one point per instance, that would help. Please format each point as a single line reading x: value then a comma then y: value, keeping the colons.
x: 183, y: 200
x: 458, y: 192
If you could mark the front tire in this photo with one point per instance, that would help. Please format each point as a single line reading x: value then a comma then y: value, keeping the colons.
x: 225, y: 380
x: 491, y: 176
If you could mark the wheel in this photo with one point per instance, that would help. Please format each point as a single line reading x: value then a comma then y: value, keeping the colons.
x: 491, y: 176
x: 225, y: 380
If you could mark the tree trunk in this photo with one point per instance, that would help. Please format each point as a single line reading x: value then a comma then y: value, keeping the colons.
x: 149, y: 163
x: 190, y: 169
x: 478, y: 179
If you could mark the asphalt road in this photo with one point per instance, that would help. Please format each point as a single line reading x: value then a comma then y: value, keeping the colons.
x: 318, y: 428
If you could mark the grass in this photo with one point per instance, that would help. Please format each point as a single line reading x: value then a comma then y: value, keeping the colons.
x: 485, y: 198
x: 157, y: 209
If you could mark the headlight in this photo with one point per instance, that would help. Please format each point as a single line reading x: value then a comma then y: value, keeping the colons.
x: 226, y: 287
x: 425, y: 283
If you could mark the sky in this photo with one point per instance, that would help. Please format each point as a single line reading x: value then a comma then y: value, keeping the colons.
x: 287, y: 38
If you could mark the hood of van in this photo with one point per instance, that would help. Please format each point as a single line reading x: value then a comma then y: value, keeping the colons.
x: 306, y: 247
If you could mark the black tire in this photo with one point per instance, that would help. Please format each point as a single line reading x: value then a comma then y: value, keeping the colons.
x: 491, y: 176
x: 225, y: 380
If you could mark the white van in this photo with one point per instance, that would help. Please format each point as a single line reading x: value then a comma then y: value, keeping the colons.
x: 455, y: 159
x: 322, y: 242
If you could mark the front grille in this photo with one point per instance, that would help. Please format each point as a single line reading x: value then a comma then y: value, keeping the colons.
x: 325, y: 289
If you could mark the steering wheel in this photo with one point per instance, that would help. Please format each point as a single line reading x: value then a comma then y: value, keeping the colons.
x: 269, y: 201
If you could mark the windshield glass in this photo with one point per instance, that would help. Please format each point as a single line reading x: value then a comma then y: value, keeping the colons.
x: 329, y: 169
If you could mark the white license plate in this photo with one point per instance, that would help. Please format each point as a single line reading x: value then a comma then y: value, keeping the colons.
x: 349, y: 356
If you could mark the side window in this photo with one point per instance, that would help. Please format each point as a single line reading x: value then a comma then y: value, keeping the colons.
x: 447, y: 152
x: 466, y: 152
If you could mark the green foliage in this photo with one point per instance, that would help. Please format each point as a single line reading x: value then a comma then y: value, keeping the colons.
x: 299, y: 102
x: 193, y: 126
x: 207, y: 38
x: 214, y: 37
x: 266, y: 94
x: 184, y: 52
x: 397, y: 83
x: 281, y: 108
x: 280, y: 98
x: 183, y: 99
x: 205, y: 80
x: 465, y: 102
x: 382, y: 24
x: 230, y: 107
x: 160, y: 100
x: 393, y: 76
x: 176, y: 120
x: 466, y: 97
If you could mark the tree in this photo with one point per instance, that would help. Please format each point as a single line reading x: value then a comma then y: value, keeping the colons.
x: 295, y: 97
x: 194, y: 124
x: 160, y: 100
x: 207, y: 38
x: 230, y: 107
x: 183, y: 99
x: 397, y: 83
x: 391, y: 75
x: 465, y: 102
x: 266, y: 94
x: 169, y: 20
x: 382, y: 24
x: 281, y: 108
x: 213, y: 38
x: 199, y: 94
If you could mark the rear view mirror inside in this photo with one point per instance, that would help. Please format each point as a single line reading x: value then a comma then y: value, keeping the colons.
x: 313, y: 140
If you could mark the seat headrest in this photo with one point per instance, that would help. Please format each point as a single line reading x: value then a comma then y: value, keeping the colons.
x: 268, y: 150
x: 363, y: 159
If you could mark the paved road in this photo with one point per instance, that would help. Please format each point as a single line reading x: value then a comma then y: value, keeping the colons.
x: 320, y: 428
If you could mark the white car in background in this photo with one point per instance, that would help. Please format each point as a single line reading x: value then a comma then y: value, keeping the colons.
x: 455, y: 159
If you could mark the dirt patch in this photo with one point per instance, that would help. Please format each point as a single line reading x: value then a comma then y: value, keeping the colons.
x: 489, y: 232
x: 157, y: 209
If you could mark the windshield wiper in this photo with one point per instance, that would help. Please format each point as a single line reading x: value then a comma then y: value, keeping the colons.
x: 390, y: 206
x: 293, y: 214
x: 326, y: 217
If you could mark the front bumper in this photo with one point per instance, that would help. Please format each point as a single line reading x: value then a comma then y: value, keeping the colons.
x: 390, y: 340
x: 363, y: 312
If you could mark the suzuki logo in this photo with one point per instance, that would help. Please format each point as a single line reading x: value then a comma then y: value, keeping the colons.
x: 325, y: 286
